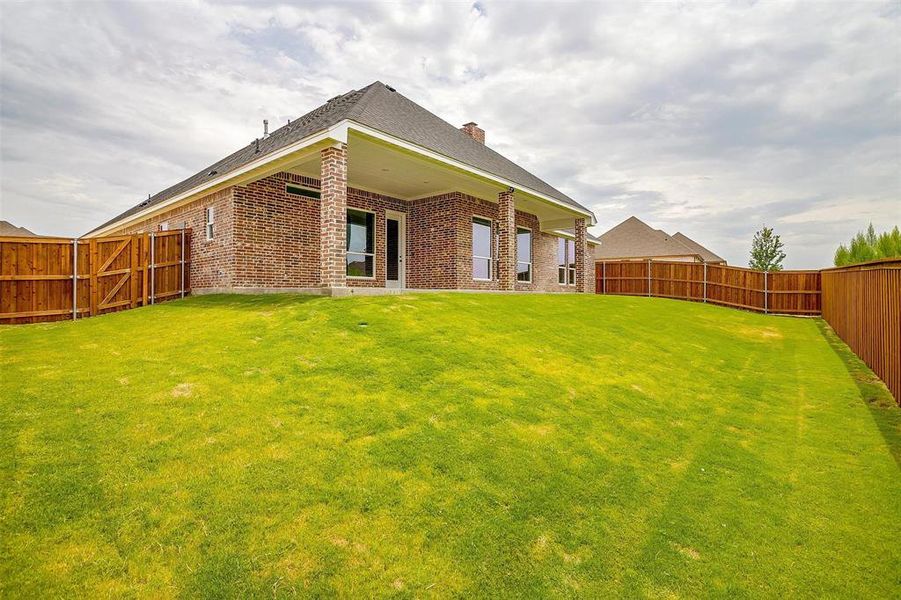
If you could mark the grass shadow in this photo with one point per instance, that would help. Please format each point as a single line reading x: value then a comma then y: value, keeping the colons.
x: 882, y: 406
x: 243, y: 302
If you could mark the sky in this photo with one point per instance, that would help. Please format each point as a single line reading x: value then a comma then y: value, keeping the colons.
x: 708, y: 118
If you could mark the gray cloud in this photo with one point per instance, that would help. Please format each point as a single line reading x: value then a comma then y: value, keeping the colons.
x: 709, y: 119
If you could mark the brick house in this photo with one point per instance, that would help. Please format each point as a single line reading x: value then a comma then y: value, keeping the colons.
x: 371, y: 192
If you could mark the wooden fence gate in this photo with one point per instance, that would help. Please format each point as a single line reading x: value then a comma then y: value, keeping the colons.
x: 51, y: 279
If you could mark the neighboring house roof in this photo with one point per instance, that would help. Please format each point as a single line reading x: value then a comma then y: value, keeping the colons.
x: 10, y: 230
x: 705, y: 254
x: 633, y: 238
x: 380, y: 107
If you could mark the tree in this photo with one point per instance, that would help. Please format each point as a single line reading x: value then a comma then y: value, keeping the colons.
x: 867, y: 246
x: 766, y: 251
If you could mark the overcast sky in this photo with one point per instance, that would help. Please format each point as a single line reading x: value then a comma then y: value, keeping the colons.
x: 711, y: 119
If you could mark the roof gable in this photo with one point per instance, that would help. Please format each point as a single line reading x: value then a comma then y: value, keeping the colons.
x: 706, y: 254
x: 390, y: 112
x: 10, y: 230
x: 633, y: 238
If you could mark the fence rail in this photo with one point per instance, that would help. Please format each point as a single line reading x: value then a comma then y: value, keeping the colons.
x: 52, y: 279
x: 862, y: 304
x: 782, y: 292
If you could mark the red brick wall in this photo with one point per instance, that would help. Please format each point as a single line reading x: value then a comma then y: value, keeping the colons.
x: 432, y: 232
x: 267, y: 238
x: 276, y: 234
x: 333, y: 216
x: 544, y: 248
x: 506, y: 241
x: 582, y: 279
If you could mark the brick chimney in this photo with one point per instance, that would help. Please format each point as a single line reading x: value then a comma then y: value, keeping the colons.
x: 474, y: 131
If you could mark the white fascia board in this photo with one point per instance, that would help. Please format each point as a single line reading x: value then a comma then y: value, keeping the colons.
x: 410, y: 147
x: 571, y: 236
x: 337, y: 134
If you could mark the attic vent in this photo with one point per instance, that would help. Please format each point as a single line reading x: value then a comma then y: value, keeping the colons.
x: 213, y: 172
x: 390, y: 89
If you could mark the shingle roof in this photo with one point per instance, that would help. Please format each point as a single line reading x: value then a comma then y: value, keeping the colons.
x: 10, y: 230
x: 706, y: 254
x: 633, y: 238
x: 380, y: 107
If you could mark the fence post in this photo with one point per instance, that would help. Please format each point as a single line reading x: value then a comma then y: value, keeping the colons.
x: 92, y: 247
x: 135, y: 239
x: 604, y: 276
x: 705, y: 283
x: 649, y: 278
x: 74, y: 279
x: 182, y: 262
x: 766, y: 306
x: 152, y: 268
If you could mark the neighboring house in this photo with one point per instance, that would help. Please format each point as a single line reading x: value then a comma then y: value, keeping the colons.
x: 706, y: 255
x: 9, y: 230
x: 370, y: 190
x: 633, y: 239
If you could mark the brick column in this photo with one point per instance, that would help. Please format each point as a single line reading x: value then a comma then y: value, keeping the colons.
x: 582, y: 280
x: 506, y: 234
x: 333, y: 217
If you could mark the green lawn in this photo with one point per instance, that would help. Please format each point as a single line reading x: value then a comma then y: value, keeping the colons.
x: 443, y: 445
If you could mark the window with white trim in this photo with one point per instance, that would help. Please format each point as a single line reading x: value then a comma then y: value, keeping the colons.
x: 566, y: 261
x: 164, y: 226
x: 360, y: 244
x: 482, y: 256
x: 523, y: 255
x: 209, y: 223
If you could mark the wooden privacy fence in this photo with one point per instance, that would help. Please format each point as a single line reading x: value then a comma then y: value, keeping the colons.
x: 51, y: 279
x: 782, y: 292
x: 862, y: 304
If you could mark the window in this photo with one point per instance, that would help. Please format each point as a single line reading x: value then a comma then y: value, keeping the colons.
x: 481, y: 249
x: 360, y: 244
x: 164, y: 226
x: 209, y: 223
x: 523, y: 255
x: 297, y: 190
x: 566, y: 261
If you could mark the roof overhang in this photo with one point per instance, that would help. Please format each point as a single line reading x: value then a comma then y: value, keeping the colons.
x: 307, y: 148
x: 570, y: 235
x: 454, y: 164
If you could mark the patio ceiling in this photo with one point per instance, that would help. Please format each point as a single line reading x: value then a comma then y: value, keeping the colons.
x: 386, y: 169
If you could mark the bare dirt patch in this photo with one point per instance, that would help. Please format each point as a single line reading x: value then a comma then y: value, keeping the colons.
x: 183, y: 390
